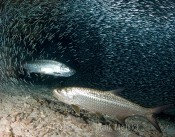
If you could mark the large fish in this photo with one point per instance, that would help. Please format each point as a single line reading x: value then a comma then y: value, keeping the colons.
x: 48, y: 67
x: 106, y: 103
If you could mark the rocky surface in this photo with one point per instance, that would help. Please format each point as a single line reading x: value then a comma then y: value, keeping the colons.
x: 109, y: 43
x: 31, y: 116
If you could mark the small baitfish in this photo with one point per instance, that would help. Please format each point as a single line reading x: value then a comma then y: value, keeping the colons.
x: 108, y: 103
x: 49, y: 67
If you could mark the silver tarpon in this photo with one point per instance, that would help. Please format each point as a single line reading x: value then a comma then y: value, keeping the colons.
x: 101, y: 102
x: 48, y: 67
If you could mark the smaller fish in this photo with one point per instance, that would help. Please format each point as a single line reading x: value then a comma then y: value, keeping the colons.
x: 49, y: 67
x: 101, y: 102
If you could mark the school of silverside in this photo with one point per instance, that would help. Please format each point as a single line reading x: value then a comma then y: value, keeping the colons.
x: 108, y: 103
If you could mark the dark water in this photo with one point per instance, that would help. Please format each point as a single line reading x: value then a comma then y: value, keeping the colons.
x: 110, y: 44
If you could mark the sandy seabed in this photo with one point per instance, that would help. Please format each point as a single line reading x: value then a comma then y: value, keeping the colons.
x: 35, y: 116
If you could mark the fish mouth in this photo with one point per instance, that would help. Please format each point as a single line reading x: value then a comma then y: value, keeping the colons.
x: 70, y: 73
x: 54, y: 92
x: 57, y: 94
x: 57, y: 91
x: 64, y: 74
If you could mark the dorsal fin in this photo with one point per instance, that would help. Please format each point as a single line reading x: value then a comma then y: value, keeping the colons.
x: 116, y: 91
x: 121, y: 119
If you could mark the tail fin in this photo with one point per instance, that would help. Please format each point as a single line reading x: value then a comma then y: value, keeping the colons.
x: 154, y: 111
x: 160, y: 109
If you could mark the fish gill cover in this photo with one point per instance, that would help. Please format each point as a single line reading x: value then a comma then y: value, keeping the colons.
x: 110, y: 44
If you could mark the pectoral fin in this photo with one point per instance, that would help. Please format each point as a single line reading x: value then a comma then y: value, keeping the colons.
x: 121, y: 120
x: 76, y: 109
x: 113, y: 127
x: 98, y: 114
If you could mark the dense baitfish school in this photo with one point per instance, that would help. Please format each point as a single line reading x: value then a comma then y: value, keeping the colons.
x: 97, y: 44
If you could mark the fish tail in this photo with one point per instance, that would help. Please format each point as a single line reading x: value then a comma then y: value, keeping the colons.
x: 154, y: 111
x: 160, y: 109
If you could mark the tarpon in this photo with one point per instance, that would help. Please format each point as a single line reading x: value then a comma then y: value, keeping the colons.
x: 48, y: 67
x: 108, y: 103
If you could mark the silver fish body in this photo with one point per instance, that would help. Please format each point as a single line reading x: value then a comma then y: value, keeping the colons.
x: 106, y: 103
x: 49, y: 67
